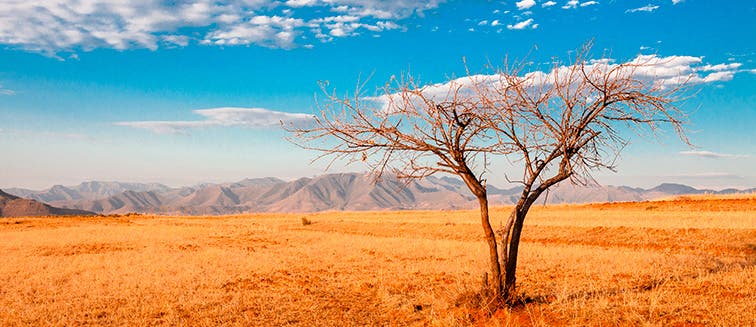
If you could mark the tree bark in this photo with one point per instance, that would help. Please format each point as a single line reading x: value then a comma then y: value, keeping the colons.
x: 510, y: 263
x: 504, y: 233
x: 492, y: 247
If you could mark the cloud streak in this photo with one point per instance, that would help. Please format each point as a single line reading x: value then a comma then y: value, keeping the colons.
x: 646, y: 8
x: 712, y: 155
x: 4, y: 91
x: 223, y: 117
x: 59, y: 26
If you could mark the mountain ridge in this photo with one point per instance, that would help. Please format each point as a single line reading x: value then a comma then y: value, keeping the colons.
x: 340, y: 191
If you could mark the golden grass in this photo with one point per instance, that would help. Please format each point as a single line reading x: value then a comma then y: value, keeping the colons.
x: 684, y: 262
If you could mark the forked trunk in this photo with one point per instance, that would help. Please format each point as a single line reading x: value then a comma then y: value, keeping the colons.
x: 509, y: 259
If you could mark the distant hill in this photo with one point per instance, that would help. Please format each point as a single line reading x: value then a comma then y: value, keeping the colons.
x: 349, y: 191
x: 13, y: 206
x: 129, y: 201
x: 85, y: 191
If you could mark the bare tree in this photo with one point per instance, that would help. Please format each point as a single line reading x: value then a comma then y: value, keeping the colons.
x: 560, y: 125
x: 567, y: 123
x: 416, y: 131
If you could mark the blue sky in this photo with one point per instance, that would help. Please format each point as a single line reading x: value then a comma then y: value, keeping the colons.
x: 181, y: 92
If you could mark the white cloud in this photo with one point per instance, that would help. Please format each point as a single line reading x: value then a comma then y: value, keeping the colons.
x: 662, y: 71
x: 495, y: 22
x: 300, y: 3
x: 548, y: 4
x: 275, y: 32
x: 525, y: 4
x: 646, y: 8
x: 227, y: 116
x: 589, y: 3
x: 69, y: 26
x: 674, y: 2
x: 713, y: 155
x: 674, y: 70
x: 669, y: 71
x: 571, y: 4
x: 521, y: 25
x: 346, y: 25
x: 719, y: 76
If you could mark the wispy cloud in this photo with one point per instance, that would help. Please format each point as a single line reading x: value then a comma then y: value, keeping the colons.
x: 572, y: 4
x: 521, y: 25
x: 228, y: 116
x: 548, y: 4
x: 4, y: 91
x: 674, y: 2
x: 713, y: 155
x: 722, y: 67
x: 646, y: 8
x: 55, y: 26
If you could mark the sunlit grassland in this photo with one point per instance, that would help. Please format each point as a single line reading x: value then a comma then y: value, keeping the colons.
x: 689, y: 261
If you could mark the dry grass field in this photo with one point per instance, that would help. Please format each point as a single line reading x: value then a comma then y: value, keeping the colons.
x: 681, y: 262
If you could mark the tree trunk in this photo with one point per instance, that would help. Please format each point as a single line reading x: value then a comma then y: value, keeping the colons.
x: 510, y: 267
x: 504, y: 233
x: 492, y: 247
x: 510, y: 260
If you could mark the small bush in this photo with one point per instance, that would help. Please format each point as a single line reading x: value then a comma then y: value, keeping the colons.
x: 306, y: 221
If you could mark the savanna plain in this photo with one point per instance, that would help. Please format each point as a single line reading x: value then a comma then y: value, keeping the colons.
x: 688, y: 261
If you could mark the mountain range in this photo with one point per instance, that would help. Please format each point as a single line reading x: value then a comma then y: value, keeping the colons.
x: 347, y: 191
